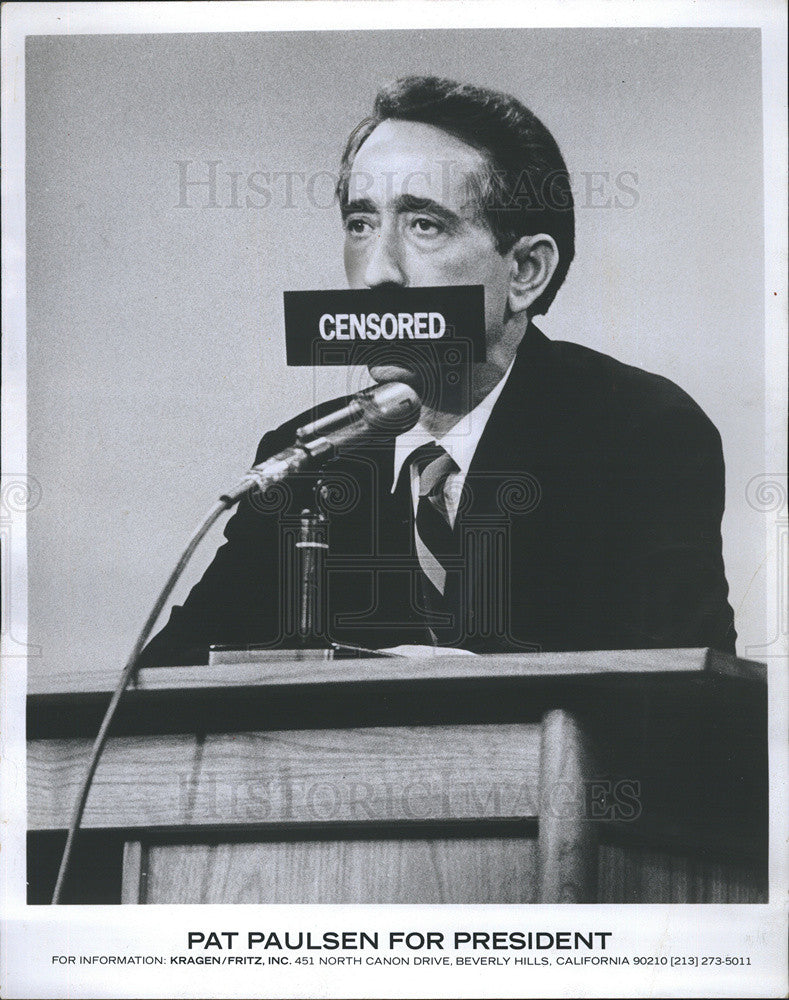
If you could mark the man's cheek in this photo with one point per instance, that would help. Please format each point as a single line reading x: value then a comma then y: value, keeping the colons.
x: 468, y: 265
x: 354, y: 267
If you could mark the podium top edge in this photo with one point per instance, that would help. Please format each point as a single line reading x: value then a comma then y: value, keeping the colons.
x: 530, y: 668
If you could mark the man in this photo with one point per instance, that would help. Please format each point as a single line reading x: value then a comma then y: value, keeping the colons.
x: 549, y: 498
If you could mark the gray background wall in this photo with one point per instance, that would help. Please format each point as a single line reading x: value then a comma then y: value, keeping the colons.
x: 155, y: 351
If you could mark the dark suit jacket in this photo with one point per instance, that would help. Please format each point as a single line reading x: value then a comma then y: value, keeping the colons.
x: 590, y: 520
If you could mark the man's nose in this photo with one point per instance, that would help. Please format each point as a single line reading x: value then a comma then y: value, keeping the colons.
x: 385, y: 264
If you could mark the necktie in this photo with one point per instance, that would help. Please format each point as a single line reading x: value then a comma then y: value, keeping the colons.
x: 433, y: 535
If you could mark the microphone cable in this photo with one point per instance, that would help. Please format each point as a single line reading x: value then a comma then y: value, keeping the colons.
x: 315, y: 442
x: 128, y: 673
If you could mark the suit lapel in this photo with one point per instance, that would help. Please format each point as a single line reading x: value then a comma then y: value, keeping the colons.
x: 517, y: 427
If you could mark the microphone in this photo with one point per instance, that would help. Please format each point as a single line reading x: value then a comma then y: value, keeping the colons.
x: 386, y: 408
x: 391, y: 405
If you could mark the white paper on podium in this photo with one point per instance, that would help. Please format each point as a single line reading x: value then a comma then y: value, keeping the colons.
x: 423, y: 651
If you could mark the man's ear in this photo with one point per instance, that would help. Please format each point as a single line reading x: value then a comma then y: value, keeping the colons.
x: 534, y: 261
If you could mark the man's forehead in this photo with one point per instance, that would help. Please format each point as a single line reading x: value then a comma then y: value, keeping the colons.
x: 400, y: 157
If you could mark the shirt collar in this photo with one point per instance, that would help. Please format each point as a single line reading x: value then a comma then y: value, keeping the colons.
x: 460, y: 442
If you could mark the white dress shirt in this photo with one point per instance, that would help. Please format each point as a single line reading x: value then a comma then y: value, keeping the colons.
x: 460, y: 442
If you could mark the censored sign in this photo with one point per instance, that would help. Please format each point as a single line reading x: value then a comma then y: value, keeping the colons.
x: 378, y: 325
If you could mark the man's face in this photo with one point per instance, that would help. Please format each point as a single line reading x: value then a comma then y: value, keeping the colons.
x: 413, y: 219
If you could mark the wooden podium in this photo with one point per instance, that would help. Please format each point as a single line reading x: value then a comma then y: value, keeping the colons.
x: 628, y: 776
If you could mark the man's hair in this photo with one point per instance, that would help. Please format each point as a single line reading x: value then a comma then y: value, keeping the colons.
x: 525, y: 189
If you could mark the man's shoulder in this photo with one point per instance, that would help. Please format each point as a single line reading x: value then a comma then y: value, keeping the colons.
x: 599, y: 384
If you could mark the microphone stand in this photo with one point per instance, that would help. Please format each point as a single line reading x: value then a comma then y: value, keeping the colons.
x: 312, y: 549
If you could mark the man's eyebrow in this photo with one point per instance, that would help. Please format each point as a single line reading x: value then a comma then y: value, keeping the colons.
x: 411, y: 203
x: 403, y: 203
x: 358, y: 205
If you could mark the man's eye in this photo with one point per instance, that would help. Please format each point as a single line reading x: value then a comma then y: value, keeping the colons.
x: 426, y: 226
x: 356, y: 226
